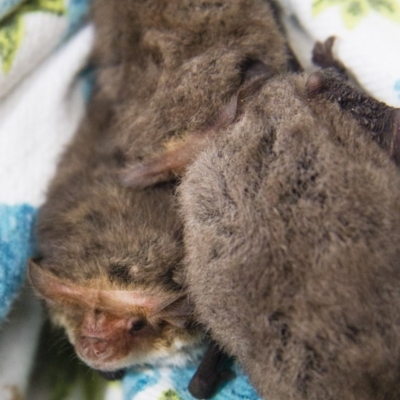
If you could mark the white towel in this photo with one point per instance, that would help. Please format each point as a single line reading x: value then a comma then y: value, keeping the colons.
x: 367, y: 39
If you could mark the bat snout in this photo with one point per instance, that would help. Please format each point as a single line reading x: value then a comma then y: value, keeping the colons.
x: 94, y: 348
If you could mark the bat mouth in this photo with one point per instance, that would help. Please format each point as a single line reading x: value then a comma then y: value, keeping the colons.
x: 109, y: 366
x: 106, y: 355
x: 99, y: 354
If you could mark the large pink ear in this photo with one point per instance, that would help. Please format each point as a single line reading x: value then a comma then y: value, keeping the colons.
x: 49, y: 287
x: 156, y: 305
x: 172, y: 307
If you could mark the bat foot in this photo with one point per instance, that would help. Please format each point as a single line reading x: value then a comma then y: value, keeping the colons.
x: 201, y: 387
x: 211, y: 373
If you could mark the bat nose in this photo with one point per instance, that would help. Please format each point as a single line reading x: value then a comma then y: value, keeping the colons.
x: 94, y: 347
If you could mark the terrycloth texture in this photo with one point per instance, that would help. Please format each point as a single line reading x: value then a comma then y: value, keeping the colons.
x: 36, y: 120
x: 171, y: 384
x: 367, y: 39
x: 16, y: 245
x: 30, y: 30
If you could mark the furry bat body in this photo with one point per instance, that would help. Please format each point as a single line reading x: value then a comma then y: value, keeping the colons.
x: 110, y: 257
x: 292, y: 229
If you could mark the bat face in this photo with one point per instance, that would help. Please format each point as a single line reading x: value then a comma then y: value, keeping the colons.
x: 103, y: 339
x: 112, y: 329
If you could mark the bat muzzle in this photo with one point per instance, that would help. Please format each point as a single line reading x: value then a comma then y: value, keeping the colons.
x: 94, y: 348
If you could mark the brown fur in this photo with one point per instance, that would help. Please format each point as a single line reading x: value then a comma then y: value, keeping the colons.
x: 94, y: 243
x: 292, y: 228
x: 162, y: 69
x: 381, y: 121
x: 191, y: 57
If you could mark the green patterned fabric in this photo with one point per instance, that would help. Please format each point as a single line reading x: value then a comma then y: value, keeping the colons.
x: 12, y: 27
x: 353, y: 11
x: 170, y: 395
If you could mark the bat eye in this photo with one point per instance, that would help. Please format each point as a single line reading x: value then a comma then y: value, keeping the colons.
x: 138, y: 325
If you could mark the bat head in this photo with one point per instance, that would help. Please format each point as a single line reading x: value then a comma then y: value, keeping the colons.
x: 113, y: 328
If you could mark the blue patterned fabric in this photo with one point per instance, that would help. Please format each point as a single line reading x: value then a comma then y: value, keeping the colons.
x: 6, y: 6
x: 16, y: 245
x: 136, y: 382
x: 397, y: 88
x: 30, y: 30
x: 172, y: 384
x: 77, y: 12
x: 16, y: 220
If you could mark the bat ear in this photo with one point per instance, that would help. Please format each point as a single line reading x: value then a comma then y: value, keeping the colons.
x: 322, y: 56
x: 48, y: 286
x: 170, y: 307
x: 176, y: 312
x: 315, y: 84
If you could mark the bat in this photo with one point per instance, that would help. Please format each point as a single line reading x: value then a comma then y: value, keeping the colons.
x: 109, y: 265
x: 291, y: 229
